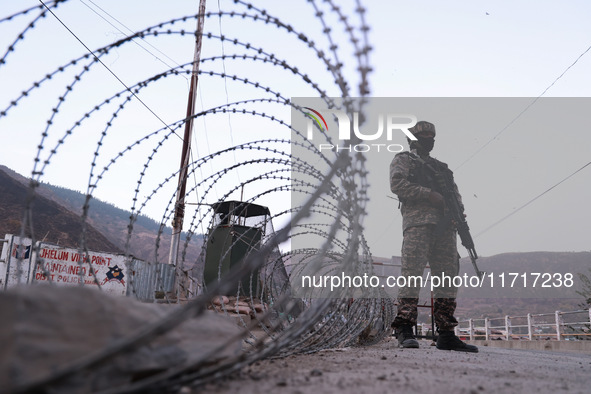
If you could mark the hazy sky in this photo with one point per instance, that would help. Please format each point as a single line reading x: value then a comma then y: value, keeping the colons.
x: 421, y: 49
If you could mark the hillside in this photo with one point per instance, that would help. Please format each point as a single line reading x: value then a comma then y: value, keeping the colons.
x: 51, y: 221
x: 487, y: 302
x: 105, y: 219
x: 471, y: 303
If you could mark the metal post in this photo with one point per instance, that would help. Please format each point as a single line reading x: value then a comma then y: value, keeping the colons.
x: 530, y: 334
x: 179, y: 214
x: 508, y: 328
x: 486, y: 328
x: 558, y: 325
x: 432, y: 317
x: 471, y: 329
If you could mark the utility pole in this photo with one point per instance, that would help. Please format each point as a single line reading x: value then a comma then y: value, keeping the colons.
x: 179, y: 213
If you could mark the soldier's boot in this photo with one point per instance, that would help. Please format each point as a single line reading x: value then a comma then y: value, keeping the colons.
x: 406, y: 338
x: 447, y: 340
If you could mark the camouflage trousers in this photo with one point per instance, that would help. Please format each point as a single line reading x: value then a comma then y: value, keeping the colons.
x: 422, y: 245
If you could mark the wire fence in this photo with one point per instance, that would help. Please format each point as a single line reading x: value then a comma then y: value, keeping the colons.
x: 120, y: 139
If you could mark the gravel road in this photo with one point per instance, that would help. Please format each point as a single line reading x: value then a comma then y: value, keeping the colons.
x: 385, y: 368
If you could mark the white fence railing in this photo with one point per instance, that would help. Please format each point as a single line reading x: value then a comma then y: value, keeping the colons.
x: 569, y: 325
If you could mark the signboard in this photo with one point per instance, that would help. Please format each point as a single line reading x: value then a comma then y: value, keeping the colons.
x: 23, y: 263
x: 67, y: 267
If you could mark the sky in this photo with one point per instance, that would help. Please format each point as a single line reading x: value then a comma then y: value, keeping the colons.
x: 511, y: 167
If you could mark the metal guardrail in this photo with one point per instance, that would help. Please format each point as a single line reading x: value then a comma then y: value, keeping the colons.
x: 559, y: 325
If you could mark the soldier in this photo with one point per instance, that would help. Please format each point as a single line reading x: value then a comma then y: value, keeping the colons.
x: 428, y: 237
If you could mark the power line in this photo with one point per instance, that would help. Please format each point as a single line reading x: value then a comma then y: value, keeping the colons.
x: 524, y: 110
x: 529, y: 202
x: 167, y: 65
x: 157, y: 58
x: 109, y: 70
x: 506, y: 127
x: 226, y: 87
x: 131, y: 31
x: 565, y: 71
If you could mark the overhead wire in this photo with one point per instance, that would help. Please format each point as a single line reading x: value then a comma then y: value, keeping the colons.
x: 157, y: 58
x: 506, y: 127
x: 226, y: 87
x: 134, y: 38
x: 524, y: 110
x: 90, y: 51
x: 530, y: 201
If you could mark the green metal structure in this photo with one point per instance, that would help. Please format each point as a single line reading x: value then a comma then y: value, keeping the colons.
x: 237, y: 229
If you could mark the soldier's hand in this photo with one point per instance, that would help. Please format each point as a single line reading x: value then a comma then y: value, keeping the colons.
x: 436, y: 199
x: 454, y: 223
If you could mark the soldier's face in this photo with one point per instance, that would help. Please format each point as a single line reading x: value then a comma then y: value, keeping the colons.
x: 426, y: 140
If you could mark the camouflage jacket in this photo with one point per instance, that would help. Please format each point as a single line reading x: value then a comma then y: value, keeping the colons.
x: 409, y: 182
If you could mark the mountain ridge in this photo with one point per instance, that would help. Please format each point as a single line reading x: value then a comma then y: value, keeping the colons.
x: 109, y: 221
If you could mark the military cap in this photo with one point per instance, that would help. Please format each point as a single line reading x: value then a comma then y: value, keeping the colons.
x: 422, y: 127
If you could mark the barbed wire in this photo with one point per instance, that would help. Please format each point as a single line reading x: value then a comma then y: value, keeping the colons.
x: 331, y: 188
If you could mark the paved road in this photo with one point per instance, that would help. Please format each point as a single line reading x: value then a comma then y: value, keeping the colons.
x: 384, y: 368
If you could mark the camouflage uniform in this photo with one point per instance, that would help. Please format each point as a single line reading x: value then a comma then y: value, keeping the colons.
x: 429, y: 236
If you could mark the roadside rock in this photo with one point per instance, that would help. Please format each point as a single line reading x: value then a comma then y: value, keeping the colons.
x: 45, y: 328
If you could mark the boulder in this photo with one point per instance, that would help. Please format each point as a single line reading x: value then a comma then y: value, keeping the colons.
x: 45, y: 328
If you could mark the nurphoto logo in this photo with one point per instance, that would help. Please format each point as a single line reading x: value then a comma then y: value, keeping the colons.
x: 386, y: 125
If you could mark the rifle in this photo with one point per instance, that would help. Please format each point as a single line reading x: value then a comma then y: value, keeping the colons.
x: 445, y: 183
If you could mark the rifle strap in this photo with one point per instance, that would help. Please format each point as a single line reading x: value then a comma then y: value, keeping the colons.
x: 422, y: 161
x: 445, y: 220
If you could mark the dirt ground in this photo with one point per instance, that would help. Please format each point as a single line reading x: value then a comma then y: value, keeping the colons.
x: 385, y: 368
